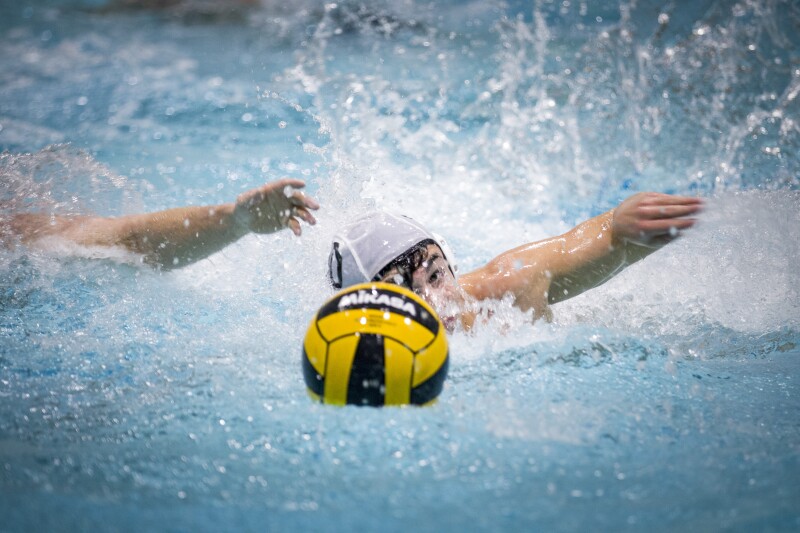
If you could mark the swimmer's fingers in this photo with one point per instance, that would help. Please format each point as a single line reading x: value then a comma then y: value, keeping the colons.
x: 272, y: 189
x: 657, y: 233
x: 296, y: 198
x: 658, y: 198
x: 645, y: 216
x: 278, y: 193
x: 303, y: 214
x: 667, y: 235
x: 664, y: 215
x: 300, y: 210
x: 653, y: 228
x: 300, y: 200
x: 658, y: 205
x: 654, y: 212
x: 282, y: 183
x: 294, y: 225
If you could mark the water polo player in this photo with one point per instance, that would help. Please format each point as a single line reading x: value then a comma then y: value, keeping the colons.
x: 396, y: 249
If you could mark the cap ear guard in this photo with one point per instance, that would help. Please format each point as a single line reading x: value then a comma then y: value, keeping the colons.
x: 335, y: 266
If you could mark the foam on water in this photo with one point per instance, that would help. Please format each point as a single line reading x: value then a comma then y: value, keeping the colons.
x: 732, y: 273
x: 666, y: 399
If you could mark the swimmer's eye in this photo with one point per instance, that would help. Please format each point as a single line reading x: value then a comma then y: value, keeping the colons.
x: 396, y: 279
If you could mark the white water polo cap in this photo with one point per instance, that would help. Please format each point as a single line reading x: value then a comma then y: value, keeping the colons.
x: 364, y: 247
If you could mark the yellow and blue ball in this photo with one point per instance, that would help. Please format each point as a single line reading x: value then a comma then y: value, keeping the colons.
x: 375, y: 344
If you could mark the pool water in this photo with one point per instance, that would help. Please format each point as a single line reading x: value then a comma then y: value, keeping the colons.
x: 665, y: 400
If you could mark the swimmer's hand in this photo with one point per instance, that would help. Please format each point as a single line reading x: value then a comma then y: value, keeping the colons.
x: 275, y: 206
x: 654, y: 219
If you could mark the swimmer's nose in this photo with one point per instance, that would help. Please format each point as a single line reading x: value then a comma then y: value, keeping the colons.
x: 423, y: 291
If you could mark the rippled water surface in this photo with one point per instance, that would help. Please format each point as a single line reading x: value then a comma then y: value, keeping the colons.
x: 665, y: 400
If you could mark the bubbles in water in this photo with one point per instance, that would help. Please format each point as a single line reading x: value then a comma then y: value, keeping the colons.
x: 61, y: 179
x: 495, y: 125
x: 731, y: 273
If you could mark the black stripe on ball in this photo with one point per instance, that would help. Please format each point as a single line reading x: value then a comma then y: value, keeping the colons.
x: 432, y: 387
x: 367, y: 383
x: 314, y: 381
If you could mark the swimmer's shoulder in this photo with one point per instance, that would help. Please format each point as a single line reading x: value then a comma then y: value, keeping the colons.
x: 29, y: 228
x: 68, y: 236
x: 21, y: 227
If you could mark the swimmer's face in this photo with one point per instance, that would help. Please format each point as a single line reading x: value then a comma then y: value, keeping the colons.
x: 432, y: 280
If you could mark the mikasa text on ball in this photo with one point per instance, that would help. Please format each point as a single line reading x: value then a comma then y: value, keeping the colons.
x: 375, y: 344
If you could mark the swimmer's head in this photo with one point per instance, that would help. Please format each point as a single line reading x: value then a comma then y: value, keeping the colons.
x: 381, y: 246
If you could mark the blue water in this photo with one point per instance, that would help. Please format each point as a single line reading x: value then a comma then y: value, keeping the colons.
x: 665, y: 400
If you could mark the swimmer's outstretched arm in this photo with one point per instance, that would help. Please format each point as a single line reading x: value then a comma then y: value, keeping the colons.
x: 561, y: 267
x: 177, y: 237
